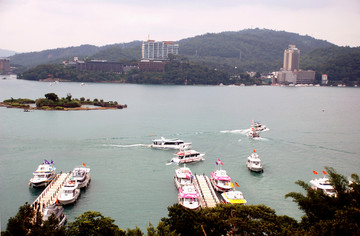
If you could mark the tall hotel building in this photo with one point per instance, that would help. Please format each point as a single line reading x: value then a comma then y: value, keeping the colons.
x: 151, y: 50
x: 291, y: 58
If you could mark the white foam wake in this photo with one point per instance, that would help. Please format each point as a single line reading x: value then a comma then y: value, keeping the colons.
x: 126, y: 146
x: 235, y: 131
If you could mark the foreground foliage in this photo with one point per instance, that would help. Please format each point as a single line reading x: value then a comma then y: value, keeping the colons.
x: 338, y: 214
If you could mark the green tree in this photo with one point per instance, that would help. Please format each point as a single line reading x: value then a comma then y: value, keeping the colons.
x: 93, y: 223
x: 338, y: 213
x: 29, y: 222
x: 52, y: 97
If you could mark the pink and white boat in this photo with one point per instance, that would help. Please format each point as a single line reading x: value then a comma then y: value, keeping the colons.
x: 189, y: 197
x: 220, y: 179
x: 183, y: 176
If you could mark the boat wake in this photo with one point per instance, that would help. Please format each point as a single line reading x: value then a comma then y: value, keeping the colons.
x: 235, y: 131
x: 126, y: 146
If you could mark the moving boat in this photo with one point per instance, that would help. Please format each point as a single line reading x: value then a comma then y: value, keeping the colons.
x: 82, y: 176
x: 70, y: 193
x: 183, y: 176
x: 58, y: 211
x: 43, y: 175
x: 234, y: 196
x: 253, y: 162
x: 258, y: 127
x: 163, y: 143
x: 253, y: 134
x: 187, y: 156
x: 189, y: 197
x: 220, y: 179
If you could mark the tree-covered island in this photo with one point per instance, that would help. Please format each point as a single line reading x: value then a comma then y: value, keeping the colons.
x: 53, y: 102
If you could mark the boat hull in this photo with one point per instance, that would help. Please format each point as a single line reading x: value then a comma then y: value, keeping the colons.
x: 69, y: 200
x: 218, y: 188
x: 41, y: 183
x: 85, y: 183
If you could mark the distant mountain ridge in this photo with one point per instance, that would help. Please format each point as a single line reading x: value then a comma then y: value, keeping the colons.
x: 6, y: 53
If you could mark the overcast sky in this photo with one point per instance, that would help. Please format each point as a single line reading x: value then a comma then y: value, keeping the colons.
x: 35, y: 25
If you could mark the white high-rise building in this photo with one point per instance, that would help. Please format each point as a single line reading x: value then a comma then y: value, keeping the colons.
x: 153, y: 50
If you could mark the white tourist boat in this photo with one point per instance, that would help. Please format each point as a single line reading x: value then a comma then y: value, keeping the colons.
x: 186, y: 156
x: 220, y: 179
x: 253, y: 134
x: 43, y: 175
x: 183, y: 176
x: 323, y: 184
x: 234, y: 197
x: 82, y: 176
x: 70, y: 193
x: 253, y: 162
x: 58, y: 211
x: 258, y: 127
x: 189, y: 197
x: 164, y: 143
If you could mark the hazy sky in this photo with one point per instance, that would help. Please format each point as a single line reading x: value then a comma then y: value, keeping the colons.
x: 34, y: 25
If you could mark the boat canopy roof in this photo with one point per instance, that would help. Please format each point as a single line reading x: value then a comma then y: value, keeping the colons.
x: 185, y: 153
x: 220, y: 175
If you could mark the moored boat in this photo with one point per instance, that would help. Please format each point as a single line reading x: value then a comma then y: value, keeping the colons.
x: 253, y: 162
x: 58, y: 211
x: 43, y: 175
x: 187, y: 156
x: 82, y: 176
x: 220, y: 179
x: 189, y: 197
x: 234, y: 196
x: 70, y: 193
x: 183, y: 176
x: 323, y: 184
x: 164, y: 143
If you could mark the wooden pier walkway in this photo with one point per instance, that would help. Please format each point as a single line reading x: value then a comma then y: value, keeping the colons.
x: 51, y: 192
x: 208, y: 197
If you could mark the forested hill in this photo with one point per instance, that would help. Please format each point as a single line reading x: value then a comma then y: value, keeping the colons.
x: 112, y: 52
x: 253, y: 49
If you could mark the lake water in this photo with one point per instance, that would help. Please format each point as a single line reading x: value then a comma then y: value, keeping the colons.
x: 310, y: 127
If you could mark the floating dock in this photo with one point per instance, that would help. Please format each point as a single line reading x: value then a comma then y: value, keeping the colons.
x: 51, y: 192
x: 208, y: 197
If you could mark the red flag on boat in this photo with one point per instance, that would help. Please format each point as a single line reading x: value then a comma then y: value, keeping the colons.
x: 84, y: 164
x: 315, y: 173
x: 220, y: 162
x: 254, y: 151
x: 236, y: 184
x: 324, y: 172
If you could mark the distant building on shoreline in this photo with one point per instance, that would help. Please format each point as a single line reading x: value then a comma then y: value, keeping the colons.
x: 290, y: 73
x: 152, y: 50
x: 155, y: 55
x: 5, y: 66
x: 100, y: 65
x: 291, y: 58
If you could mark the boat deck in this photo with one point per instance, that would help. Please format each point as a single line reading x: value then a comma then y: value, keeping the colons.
x: 51, y: 192
x: 208, y: 197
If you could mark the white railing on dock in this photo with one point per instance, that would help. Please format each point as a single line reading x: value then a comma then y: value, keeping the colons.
x: 51, y: 192
x: 208, y: 197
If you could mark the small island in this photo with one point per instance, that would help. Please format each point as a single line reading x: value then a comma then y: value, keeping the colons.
x: 53, y: 102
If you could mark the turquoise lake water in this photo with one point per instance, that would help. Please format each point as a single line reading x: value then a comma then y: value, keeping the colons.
x: 310, y: 127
